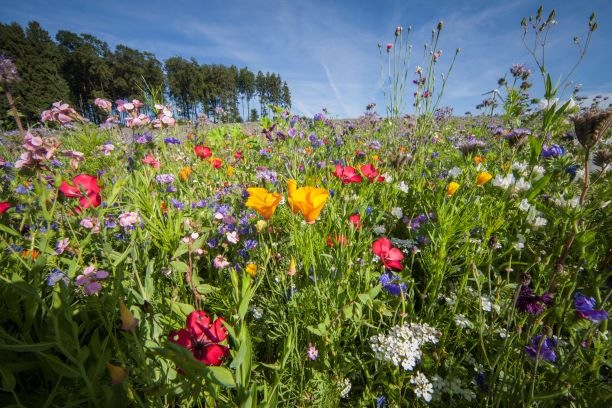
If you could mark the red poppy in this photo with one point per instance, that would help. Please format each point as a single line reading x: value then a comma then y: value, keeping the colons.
x: 371, y: 173
x: 355, y: 219
x: 201, y: 337
x: 4, y: 205
x: 217, y: 162
x: 85, y: 188
x: 391, y: 257
x: 238, y: 155
x: 347, y: 174
x: 202, y: 152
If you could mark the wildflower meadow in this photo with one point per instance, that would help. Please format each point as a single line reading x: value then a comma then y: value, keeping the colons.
x: 389, y: 260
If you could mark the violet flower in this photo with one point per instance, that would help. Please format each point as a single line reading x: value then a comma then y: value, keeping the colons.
x: 546, y: 350
x: 388, y: 281
x: 585, y: 308
x: 528, y: 302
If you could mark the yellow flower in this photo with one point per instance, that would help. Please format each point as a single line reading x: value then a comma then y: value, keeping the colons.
x: 185, y: 173
x: 262, y: 201
x: 128, y: 321
x: 292, y: 270
x: 483, y: 178
x: 118, y: 374
x: 251, y: 269
x: 230, y: 171
x: 452, y: 188
x: 261, y: 225
x: 306, y: 200
x: 478, y: 159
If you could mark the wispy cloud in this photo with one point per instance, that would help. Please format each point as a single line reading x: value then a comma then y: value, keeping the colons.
x: 326, y: 51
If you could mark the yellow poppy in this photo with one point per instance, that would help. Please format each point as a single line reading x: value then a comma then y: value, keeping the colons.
x: 251, y: 269
x: 452, y: 188
x: 262, y: 201
x: 185, y: 173
x: 483, y: 178
x: 306, y: 200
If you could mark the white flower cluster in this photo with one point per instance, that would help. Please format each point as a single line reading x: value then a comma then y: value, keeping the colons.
x: 397, y: 212
x: 345, y: 387
x: 422, y: 386
x: 403, y: 187
x: 463, y: 322
x: 454, y: 172
x: 453, y: 387
x: 402, y: 345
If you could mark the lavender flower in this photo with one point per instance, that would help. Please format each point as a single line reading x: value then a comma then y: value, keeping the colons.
x: 312, y: 353
x: 165, y: 178
x: 61, y: 246
x: 545, y: 350
x: 528, y: 302
x: 8, y: 72
x: 585, y: 308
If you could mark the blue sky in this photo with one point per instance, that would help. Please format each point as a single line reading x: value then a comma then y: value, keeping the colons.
x: 327, y: 51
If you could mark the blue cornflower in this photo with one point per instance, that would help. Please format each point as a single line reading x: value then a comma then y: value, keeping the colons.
x: 381, y: 402
x: 585, y: 308
x: 553, y: 151
x: 172, y: 140
x: 546, y: 350
x: 21, y: 189
x: 388, y: 279
x: 177, y: 204
x: 56, y: 276
x: 250, y: 244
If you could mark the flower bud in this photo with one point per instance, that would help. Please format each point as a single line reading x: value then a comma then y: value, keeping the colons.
x: 118, y: 374
x: 129, y: 322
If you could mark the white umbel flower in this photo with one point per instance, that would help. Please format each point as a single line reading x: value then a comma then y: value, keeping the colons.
x: 422, y: 386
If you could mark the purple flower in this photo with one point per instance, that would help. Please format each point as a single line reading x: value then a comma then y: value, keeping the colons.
x: 388, y: 279
x: 528, y: 302
x: 89, y: 280
x: 61, y: 246
x: 250, y: 244
x: 553, y: 151
x: 546, y: 350
x: 585, y: 308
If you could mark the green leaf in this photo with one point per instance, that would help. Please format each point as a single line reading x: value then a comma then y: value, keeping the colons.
x: 180, y: 267
x: 8, y: 379
x: 538, y: 186
x: 222, y: 376
x: 27, y: 348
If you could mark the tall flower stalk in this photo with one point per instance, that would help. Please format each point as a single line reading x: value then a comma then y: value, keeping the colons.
x: 8, y: 76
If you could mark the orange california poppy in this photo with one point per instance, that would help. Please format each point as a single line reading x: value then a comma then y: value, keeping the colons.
x: 308, y: 201
x: 262, y: 201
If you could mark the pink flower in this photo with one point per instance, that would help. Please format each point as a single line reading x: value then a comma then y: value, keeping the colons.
x: 103, y: 104
x: 151, y: 161
x: 391, y: 257
x: 128, y: 219
x: 107, y: 148
x: 389, y: 46
x: 220, y: 262
x: 75, y: 157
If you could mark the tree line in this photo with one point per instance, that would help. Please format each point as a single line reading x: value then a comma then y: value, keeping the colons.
x: 77, y: 68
